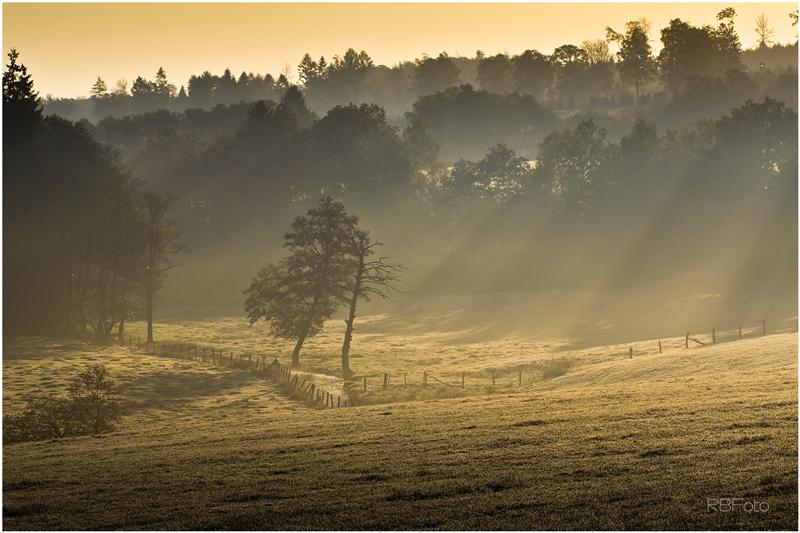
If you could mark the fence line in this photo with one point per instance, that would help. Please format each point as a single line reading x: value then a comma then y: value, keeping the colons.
x: 313, y: 393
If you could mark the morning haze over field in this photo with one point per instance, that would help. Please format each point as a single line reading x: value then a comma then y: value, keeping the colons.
x: 400, y: 266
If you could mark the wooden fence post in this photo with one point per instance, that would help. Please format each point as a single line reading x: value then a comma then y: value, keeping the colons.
x: 631, y: 352
x: 520, y: 378
x: 405, y: 383
x: 492, y: 378
x: 687, y: 339
x: 339, y: 401
x: 713, y: 335
x: 365, y: 383
x: 659, y: 347
x: 740, y: 332
x: 130, y: 340
x: 424, y: 380
x: 385, y: 380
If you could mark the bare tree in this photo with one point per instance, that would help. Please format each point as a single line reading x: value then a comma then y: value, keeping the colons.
x: 367, y: 279
x: 161, y: 247
x: 764, y: 32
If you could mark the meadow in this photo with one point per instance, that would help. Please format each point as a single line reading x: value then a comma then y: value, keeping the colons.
x: 613, y: 442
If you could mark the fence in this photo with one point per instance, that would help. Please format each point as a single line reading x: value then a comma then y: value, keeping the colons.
x: 309, y: 391
x: 313, y: 393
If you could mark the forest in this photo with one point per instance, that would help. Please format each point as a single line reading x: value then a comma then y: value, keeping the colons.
x: 602, y: 164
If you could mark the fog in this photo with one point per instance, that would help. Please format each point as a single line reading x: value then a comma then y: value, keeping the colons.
x: 485, y: 174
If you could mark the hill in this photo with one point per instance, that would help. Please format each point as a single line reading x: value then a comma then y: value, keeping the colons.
x: 612, y: 443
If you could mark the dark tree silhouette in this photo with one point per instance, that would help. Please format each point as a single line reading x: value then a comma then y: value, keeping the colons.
x: 533, y: 73
x: 432, y: 75
x: 161, y: 247
x: 367, y: 278
x: 637, y: 65
x: 496, y: 73
x: 296, y: 295
x: 294, y: 100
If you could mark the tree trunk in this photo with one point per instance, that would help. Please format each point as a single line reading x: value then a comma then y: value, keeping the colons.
x: 149, y: 295
x: 102, y: 316
x: 297, y: 348
x: 121, y: 332
x: 348, y: 334
x: 123, y: 312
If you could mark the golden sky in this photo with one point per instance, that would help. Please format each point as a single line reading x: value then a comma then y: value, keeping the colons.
x: 67, y: 45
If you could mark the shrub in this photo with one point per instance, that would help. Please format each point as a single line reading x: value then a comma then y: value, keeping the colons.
x: 556, y: 367
x: 90, y: 407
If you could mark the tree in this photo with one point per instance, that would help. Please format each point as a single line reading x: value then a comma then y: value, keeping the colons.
x: 367, y: 278
x: 201, y: 89
x: 496, y: 73
x: 432, y: 75
x: 161, y: 247
x: 99, y: 88
x: 728, y: 40
x: 465, y: 121
x: 687, y: 51
x: 162, y: 87
x: 294, y: 100
x: 496, y: 180
x: 296, y: 295
x: 93, y: 395
x: 637, y: 65
x: 571, y: 64
x: 764, y: 32
x: 597, y: 51
x: 17, y: 83
x: 420, y: 146
x: 572, y: 163
x: 225, y: 91
x: 533, y: 73
x: 357, y: 153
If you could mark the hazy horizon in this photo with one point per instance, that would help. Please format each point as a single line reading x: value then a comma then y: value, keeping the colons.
x: 127, y: 40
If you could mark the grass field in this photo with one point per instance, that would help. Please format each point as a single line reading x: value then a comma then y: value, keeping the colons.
x: 613, y: 443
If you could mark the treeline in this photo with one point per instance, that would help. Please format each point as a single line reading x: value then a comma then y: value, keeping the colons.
x: 476, y: 189
x: 85, y: 246
x: 594, y: 76
x: 732, y: 179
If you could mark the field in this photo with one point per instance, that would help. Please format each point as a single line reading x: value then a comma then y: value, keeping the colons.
x: 611, y: 443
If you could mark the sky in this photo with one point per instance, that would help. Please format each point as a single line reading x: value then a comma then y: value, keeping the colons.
x: 66, y: 46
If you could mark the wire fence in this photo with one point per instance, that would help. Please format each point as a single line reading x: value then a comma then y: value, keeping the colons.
x: 309, y: 391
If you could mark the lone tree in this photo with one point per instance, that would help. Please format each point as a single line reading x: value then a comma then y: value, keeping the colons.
x: 161, y: 247
x: 300, y: 292
x: 367, y: 278
x: 329, y: 266
x: 637, y: 65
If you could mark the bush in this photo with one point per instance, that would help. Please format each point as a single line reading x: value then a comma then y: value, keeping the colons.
x: 556, y: 367
x: 90, y: 408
